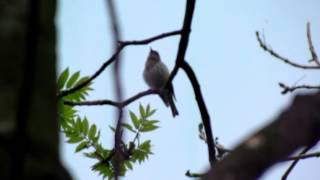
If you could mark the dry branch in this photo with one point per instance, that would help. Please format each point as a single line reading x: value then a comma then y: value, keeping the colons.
x: 283, y: 59
x: 274, y: 142
x: 118, y: 104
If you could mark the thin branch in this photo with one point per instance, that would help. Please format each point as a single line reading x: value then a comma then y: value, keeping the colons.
x: 149, y: 40
x: 95, y: 75
x: 285, y: 175
x: 287, y: 89
x: 303, y: 156
x: 118, y: 85
x: 194, y: 175
x: 203, y: 111
x: 112, y: 103
x: 180, y: 62
x: 311, y: 48
x: 283, y: 59
x: 184, y: 40
x: 20, y: 137
x: 122, y: 45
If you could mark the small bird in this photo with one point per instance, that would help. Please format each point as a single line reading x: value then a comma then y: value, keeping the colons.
x: 156, y: 75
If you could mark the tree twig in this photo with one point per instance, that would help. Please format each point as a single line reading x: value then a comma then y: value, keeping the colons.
x: 303, y: 156
x: 194, y: 175
x: 112, y: 103
x: 286, y: 174
x: 283, y: 59
x: 149, y: 40
x: 311, y: 48
x: 287, y: 89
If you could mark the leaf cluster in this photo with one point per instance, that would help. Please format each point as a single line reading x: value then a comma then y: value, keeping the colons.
x: 86, y: 136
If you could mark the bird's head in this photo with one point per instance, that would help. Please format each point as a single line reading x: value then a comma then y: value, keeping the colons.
x: 153, y: 55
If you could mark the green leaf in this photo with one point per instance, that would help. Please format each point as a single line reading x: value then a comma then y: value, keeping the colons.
x: 142, y: 152
x: 112, y: 128
x: 64, y: 124
x: 129, y: 127
x: 148, y: 109
x: 85, y: 126
x: 151, y: 122
x: 78, y: 125
x: 92, y: 155
x: 92, y: 131
x: 96, y: 139
x: 82, y: 80
x: 151, y: 112
x: 62, y: 79
x: 103, y: 170
x: 68, y: 112
x: 148, y: 127
x: 81, y: 146
x: 73, y: 79
x: 128, y: 164
x: 135, y: 120
x: 75, y: 139
x: 142, y: 111
x: 146, y: 146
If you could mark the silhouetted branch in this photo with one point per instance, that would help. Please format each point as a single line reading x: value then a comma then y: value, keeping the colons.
x: 293, y: 164
x: 274, y: 142
x: 112, y: 103
x: 303, y: 156
x: 118, y: 86
x: 203, y: 111
x: 149, y: 40
x: 184, y: 40
x: 285, y: 60
x: 311, y: 48
x: 194, y: 175
x: 287, y: 89
x: 180, y: 63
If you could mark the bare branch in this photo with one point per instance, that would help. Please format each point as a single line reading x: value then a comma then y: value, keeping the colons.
x: 184, y: 40
x: 283, y: 59
x: 287, y: 89
x: 149, y: 40
x: 285, y: 175
x: 194, y: 175
x: 274, y: 142
x: 112, y: 103
x: 203, y: 111
x: 118, y: 87
x: 304, y: 156
x: 311, y: 48
x: 95, y: 75
x: 180, y: 63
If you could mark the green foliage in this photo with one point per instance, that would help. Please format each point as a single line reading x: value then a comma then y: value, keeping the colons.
x: 86, y: 136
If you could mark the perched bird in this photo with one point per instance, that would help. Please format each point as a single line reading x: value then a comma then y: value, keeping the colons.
x: 156, y: 75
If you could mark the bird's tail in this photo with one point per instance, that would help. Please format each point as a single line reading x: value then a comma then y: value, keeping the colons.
x: 167, y: 98
x: 173, y: 107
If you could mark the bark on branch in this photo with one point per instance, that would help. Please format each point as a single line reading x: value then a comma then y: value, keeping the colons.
x: 274, y: 142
